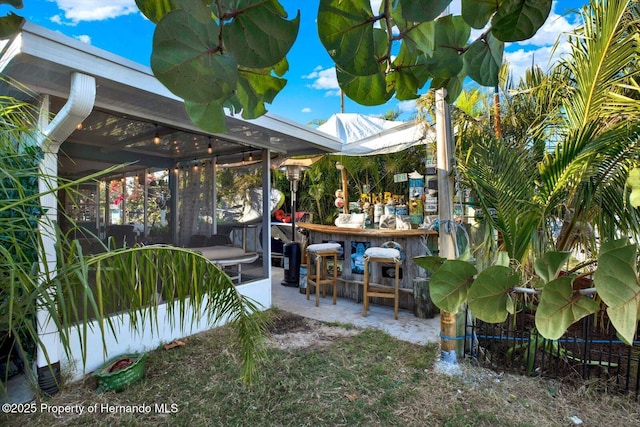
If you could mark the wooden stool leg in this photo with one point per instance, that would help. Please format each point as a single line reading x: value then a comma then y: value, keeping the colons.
x: 308, y: 273
x: 365, y: 286
x: 318, y: 279
x: 397, y: 291
x: 334, y: 282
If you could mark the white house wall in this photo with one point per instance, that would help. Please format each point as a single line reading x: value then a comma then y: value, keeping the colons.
x: 146, y: 338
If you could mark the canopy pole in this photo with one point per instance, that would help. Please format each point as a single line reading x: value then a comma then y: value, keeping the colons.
x: 446, y: 236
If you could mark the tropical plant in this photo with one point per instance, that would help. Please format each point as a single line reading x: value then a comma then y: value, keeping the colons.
x: 78, y: 288
x: 548, y: 201
x: 233, y: 53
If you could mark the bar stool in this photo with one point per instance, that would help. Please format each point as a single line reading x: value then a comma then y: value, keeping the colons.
x: 382, y: 255
x: 321, y: 252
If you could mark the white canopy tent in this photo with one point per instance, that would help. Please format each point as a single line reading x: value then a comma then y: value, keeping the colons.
x: 366, y: 136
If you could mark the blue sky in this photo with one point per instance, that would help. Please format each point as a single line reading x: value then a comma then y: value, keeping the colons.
x: 311, y: 92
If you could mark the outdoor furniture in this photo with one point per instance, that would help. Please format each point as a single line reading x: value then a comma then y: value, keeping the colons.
x: 228, y: 256
x: 123, y: 236
x: 382, y: 255
x: 321, y: 252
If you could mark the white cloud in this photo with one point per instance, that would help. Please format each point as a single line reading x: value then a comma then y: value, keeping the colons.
x: 539, y: 49
x: 95, y: 10
x: 324, y: 79
x: 56, y: 19
x: 84, y: 38
x: 407, y: 106
x: 306, y: 110
x: 555, y: 26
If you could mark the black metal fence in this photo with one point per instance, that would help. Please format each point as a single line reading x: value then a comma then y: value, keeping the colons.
x: 589, y: 352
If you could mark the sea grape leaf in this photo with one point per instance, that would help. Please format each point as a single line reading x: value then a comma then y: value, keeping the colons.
x: 449, y: 285
x: 616, y: 281
x: 452, y: 34
x: 409, y: 74
x: 489, y: 295
x: 10, y: 25
x: 430, y: 263
x: 483, y: 60
x: 477, y: 13
x: 254, y: 89
x: 420, y: 39
x: 560, y: 307
x: 548, y: 266
x: 154, y: 10
x: 365, y: 90
x: 186, y: 58
x: 345, y: 29
x: 422, y: 10
x: 209, y: 117
x: 518, y: 20
x: 260, y: 37
x: 453, y: 86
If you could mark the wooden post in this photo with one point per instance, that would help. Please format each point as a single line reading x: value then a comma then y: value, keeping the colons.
x: 496, y: 112
x: 446, y: 237
x: 345, y: 190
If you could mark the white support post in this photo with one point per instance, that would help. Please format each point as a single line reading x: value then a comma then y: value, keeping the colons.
x: 446, y: 236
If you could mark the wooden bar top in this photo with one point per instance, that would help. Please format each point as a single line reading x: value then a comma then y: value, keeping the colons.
x: 374, y: 232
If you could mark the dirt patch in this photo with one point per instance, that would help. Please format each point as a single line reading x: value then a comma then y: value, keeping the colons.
x: 291, y: 331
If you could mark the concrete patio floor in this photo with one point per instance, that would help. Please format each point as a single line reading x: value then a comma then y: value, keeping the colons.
x: 408, y: 327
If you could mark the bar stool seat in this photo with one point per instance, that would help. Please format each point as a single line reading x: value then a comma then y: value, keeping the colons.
x: 382, y: 255
x: 322, y: 252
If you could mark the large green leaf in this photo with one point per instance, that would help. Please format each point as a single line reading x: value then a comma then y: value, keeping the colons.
x: 430, y: 263
x: 186, y: 58
x: 254, y: 90
x: 559, y: 308
x: 154, y: 10
x: 548, y: 265
x: 346, y: 31
x: 260, y: 37
x: 207, y: 116
x: 365, y: 90
x: 616, y: 281
x: 483, y: 60
x: 476, y: 13
x: 453, y: 86
x: 518, y: 20
x: 15, y: 3
x: 422, y: 10
x: 489, y: 296
x: 409, y: 74
x: 449, y: 285
x: 10, y: 25
x: 420, y: 39
x: 452, y: 34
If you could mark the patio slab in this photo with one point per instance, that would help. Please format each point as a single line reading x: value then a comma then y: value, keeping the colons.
x: 407, y: 328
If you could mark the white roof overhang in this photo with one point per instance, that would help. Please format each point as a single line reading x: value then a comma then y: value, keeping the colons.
x: 132, y: 106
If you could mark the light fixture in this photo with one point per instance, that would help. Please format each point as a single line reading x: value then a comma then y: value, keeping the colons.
x: 250, y: 156
x: 176, y: 170
x: 156, y: 138
x: 209, y: 147
x: 195, y: 165
x: 79, y: 127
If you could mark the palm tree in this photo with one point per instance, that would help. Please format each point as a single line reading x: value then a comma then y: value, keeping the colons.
x: 579, y: 109
x: 80, y: 287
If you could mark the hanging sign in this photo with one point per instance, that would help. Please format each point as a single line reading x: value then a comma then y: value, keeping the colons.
x: 400, y: 177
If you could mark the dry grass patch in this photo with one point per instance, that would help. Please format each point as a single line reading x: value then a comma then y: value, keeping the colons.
x: 317, y: 374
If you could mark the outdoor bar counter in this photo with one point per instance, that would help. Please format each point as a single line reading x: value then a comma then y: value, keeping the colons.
x: 356, y: 240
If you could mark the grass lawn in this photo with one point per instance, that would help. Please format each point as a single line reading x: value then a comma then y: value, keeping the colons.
x: 327, y: 375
